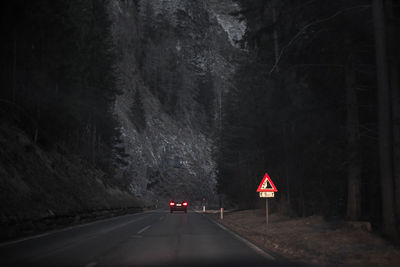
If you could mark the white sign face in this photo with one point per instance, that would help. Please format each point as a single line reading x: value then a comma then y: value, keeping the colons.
x: 266, y: 194
x: 266, y: 185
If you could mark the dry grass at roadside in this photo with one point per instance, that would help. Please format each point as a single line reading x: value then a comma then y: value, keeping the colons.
x: 313, y: 240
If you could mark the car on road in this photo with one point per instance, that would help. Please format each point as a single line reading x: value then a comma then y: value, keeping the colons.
x: 178, y: 206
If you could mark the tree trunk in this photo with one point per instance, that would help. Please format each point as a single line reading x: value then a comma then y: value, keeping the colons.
x: 353, y: 147
x: 14, y: 82
x: 384, y: 123
x: 394, y: 86
x: 275, y: 36
x: 93, y: 143
x: 286, y: 139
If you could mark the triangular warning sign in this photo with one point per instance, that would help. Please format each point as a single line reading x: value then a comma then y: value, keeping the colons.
x: 267, y: 185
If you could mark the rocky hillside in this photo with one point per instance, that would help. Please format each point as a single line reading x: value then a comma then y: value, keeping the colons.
x: 115, y: 104
x: 176, y: 61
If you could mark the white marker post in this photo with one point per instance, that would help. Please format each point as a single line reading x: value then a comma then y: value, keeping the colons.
x: 222, y: 213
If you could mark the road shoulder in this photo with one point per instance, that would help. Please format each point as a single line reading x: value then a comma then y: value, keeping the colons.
x: 311, y: 240
x: 259, y: 250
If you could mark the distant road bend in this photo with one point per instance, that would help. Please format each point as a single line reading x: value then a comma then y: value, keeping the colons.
x: 155, y: 238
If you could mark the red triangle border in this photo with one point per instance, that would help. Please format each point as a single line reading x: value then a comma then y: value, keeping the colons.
x: 273, y: 189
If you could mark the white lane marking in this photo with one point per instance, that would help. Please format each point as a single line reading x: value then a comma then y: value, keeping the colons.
x: 85, y: 238
x: 92, y: 264
x: 144, y: 229
x: 118, y: 226
x: 70, y: 228
x: 248, y: 243
x: 23, y: 239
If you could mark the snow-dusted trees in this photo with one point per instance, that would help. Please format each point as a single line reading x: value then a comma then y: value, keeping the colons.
x: 167, y: 106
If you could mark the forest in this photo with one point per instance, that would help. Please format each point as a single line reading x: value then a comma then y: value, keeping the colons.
x: 316, y: 106
x: 59, y: 84
x: 201, y: 98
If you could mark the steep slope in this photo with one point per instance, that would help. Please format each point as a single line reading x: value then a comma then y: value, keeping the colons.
x: 57, y: 133
x: 176, y: 61
x: 61, y: 157
x: 38, y: 186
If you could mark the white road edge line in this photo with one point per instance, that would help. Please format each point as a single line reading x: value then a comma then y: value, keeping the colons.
x: 248, y: 243
x: 2, y: 244
x: 144, y: 229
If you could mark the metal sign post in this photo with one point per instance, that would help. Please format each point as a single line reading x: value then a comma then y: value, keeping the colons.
x: 266, y: 210
x: 266, y: 189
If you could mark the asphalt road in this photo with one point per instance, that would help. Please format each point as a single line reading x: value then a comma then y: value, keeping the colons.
x: 155, y: 238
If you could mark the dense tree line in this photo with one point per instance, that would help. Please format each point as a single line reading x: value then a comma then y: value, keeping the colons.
x: 58, y: 82
x: 314, y: 101
x: 309, y: 109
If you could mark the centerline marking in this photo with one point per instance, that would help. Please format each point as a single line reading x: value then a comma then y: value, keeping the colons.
x: 144, y: 229
x: 68, y: 228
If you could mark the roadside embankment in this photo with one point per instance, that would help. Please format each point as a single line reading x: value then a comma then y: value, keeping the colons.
x: 312, y: 239
x: 44, y: 189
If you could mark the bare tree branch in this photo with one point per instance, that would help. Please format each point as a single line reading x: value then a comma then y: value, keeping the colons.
x: 302, y: 31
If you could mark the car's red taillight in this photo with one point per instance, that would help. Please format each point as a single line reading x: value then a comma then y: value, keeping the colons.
x: 171, y: 203
x: 184, y: 203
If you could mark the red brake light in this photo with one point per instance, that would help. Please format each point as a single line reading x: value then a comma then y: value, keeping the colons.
x: 184, y: 203
x: 172, y: 203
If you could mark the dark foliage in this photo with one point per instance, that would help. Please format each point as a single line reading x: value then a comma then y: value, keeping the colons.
x: 57, y: 76
x: 288, y: 114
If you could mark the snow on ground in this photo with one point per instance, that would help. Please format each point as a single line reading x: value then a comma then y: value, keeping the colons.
x: 313, y: 240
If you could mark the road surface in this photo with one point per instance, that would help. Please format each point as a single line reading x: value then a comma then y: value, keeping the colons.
x: 155, y: 238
